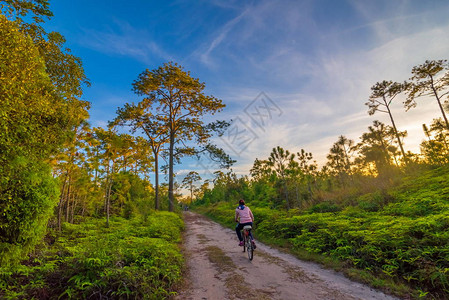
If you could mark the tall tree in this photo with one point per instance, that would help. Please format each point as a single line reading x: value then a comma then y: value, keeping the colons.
x: 260, y: 169
x: 441, y: 134
x: 377, y: 146
x: 347, y: 146
x: 436, y: 148
x: 382, y: 94
x: 67, y: 163
x: 429, y: 79
x: 307, y: 167
x: 189, y: 182
x: 114, y: 151
x: 339, y: 158
x: 282, y: 162
x: 178, y: 99
x: 140, y: 117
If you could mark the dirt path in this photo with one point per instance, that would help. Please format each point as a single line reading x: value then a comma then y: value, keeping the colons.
x: 218, y: 269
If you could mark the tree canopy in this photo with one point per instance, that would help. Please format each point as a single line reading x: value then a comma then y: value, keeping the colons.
x: 179, y: 101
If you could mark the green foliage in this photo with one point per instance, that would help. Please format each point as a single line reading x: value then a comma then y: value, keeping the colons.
x: 130, y: 259
x: 31, y: 126
x: 324, y: 207
x: 400, y: 233
x: 31, y: 121
x: 27, y: 195
x: 40, y: 83
x: 38, y: 8
x: 131, y: 196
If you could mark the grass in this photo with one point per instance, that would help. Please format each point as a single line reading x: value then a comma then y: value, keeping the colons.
x: 219, y: 259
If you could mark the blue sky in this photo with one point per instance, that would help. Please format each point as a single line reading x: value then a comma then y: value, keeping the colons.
x: 314, y: 60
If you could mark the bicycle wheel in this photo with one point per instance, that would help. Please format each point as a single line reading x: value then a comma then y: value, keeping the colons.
x: 245, y: 238
x: 249, y: 248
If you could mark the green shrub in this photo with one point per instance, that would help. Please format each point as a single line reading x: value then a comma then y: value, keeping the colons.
x: 31, y: 130
x: 400, y: 233
x: 131, y: 259
x: 27, y: 198
x: 324, y: 207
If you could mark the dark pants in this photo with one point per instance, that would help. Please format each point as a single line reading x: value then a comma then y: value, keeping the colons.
x: 238, y: 230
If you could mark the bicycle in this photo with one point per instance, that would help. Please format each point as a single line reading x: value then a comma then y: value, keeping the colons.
x: 247, y: 243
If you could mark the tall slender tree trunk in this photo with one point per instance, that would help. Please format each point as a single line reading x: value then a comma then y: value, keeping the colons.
x: 170, y: 172
x: 439, y: 103
x: 309, y: 188
x: 96, y: 169
x: 156, y: 180
x: 108, y: 203
x: 67, y: 202
x: 287, y: 202
x: 83, y: 210
x: 61, y: 202
x: 72, y: 214
x: 106, y: 194
x: 297, y: 193
x: 396, y: 131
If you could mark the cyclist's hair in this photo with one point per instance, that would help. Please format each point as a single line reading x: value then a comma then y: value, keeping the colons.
x: 242, y: 202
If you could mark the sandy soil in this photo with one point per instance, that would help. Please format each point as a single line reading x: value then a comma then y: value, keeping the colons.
x: 218, y: 269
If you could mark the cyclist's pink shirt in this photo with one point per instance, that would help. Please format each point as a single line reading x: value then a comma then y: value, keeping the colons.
x: 245, y: 215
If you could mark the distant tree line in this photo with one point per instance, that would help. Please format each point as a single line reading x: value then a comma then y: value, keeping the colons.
x: 294, y: 180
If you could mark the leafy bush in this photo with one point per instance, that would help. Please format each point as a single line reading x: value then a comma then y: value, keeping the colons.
x: 30, y: 131
x: 324, y: 207
x: 400, y: 233
x: 27, y: 196
x: 130, y: 259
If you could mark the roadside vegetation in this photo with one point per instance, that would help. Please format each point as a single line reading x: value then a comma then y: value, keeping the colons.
x: 395, y: 239
x: 375, y: 211
x: 130, y: 259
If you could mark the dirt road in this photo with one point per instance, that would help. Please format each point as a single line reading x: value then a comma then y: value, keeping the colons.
x: 218, y: 269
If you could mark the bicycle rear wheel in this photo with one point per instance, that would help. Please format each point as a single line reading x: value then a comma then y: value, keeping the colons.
x: 244, y: 242
x: 249, y: 248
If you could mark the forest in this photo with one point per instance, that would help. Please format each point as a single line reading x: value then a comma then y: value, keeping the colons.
x: 79, y: 216
x: 83, y: 213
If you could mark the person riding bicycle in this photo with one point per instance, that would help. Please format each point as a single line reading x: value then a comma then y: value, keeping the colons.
x: 243, y: 216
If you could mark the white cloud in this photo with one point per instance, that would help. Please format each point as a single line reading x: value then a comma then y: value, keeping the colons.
x: 126, y: 41
x: 320, y: 76
x: 332, y: 103
x: 220, y: 36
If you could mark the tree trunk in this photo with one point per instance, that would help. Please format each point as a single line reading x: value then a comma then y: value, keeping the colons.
x: 297, y: 194
x: 84, y: 206
x: 72, y: 214
x: 61, y: 202
x: 439, y: 103
x: 309, y: 187
x: 68, y: 200
x: 396, y: 132
x: 170, y: 172
x: 156, y: 180
x: 108, y: 202
x: 286, y: 196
